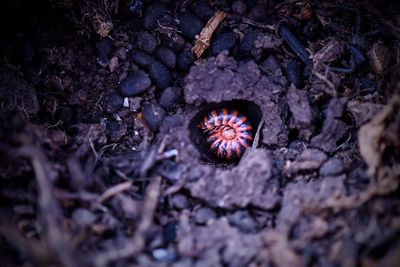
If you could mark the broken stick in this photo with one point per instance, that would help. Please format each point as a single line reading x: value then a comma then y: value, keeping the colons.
x: 203, y: 39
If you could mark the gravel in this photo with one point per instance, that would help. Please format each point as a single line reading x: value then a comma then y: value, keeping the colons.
x: 224, y: 41
x: 170, y: 97
x: 152, y: 14
x: 141, y: 58
x: 135, y: 84
x: 167, y: 57
x: 189, y: 25
x: 160, y: 74
x: 147, y: 42
x: 153, y: 114
x: 247, y: 44
x: 185, y: 59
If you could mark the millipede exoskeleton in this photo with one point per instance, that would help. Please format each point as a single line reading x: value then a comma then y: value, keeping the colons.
x: 228, y: 132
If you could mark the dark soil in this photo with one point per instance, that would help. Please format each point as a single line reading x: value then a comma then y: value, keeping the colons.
x: 103, y: 162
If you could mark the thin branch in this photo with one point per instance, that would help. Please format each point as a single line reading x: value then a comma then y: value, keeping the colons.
x: 133, y: 248
x: 50, y: 211
x: 114, y: 190
x: 203, y: 39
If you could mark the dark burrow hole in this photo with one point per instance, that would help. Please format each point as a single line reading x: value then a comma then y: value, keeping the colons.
x: 198, y: 137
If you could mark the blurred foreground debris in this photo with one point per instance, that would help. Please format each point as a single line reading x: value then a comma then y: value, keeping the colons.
x: 379, y: 142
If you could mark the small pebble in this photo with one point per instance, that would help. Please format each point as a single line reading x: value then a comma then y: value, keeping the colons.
x: 332, y: 167
x: 153, y: 114
x: 174, y: 42
x: 126, y: 102
x: 202, y: 9
x: 224, y: 41
x: 179, y: 201
x: 152, y: 14
x: 83, y: 217
x: 141, y: 58
x: 294, y: 73
x: 103, y: 51
x: 185, y: 59
x: 135, y: 84
x: 170, y: 97
x: 189, y: 25
x: 160, y: 74
x: 113, y: 103
x: 243, y: 221
x: 147, y: 42
x: 167, y: 57
x: 164, y: 255
x: 247, y: 43
x: 203, y: 215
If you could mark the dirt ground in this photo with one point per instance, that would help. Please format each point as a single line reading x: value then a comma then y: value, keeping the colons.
x: 103, y: 162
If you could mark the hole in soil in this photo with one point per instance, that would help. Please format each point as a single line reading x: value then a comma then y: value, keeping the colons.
x: 197, y: 135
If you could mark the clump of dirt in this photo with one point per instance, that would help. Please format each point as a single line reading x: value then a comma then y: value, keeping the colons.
x: 224, y: 79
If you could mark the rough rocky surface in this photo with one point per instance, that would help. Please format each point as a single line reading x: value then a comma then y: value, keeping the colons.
x: 333, y: 128
x: 302, y: 116
x: 238, y: 251
x: 224, y: 79
x: 249, y: 183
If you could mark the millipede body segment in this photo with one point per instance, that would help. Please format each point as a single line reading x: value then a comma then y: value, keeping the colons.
x: 228, y: 132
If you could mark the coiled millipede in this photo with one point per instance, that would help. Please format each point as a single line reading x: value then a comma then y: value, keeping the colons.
x: 228, y: 132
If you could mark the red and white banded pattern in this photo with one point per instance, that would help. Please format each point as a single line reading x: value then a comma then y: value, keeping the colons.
x: 229, y: 133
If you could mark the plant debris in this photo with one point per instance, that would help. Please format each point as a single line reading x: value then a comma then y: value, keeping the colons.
x: 203, y: 39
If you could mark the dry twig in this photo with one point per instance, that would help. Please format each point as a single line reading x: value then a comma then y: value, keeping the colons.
x: 258, y: 25
x: 257, y: 136
x: 203, y: 39
x: 112, y: 191
x: 133, y: 248
x: 50, y: 211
